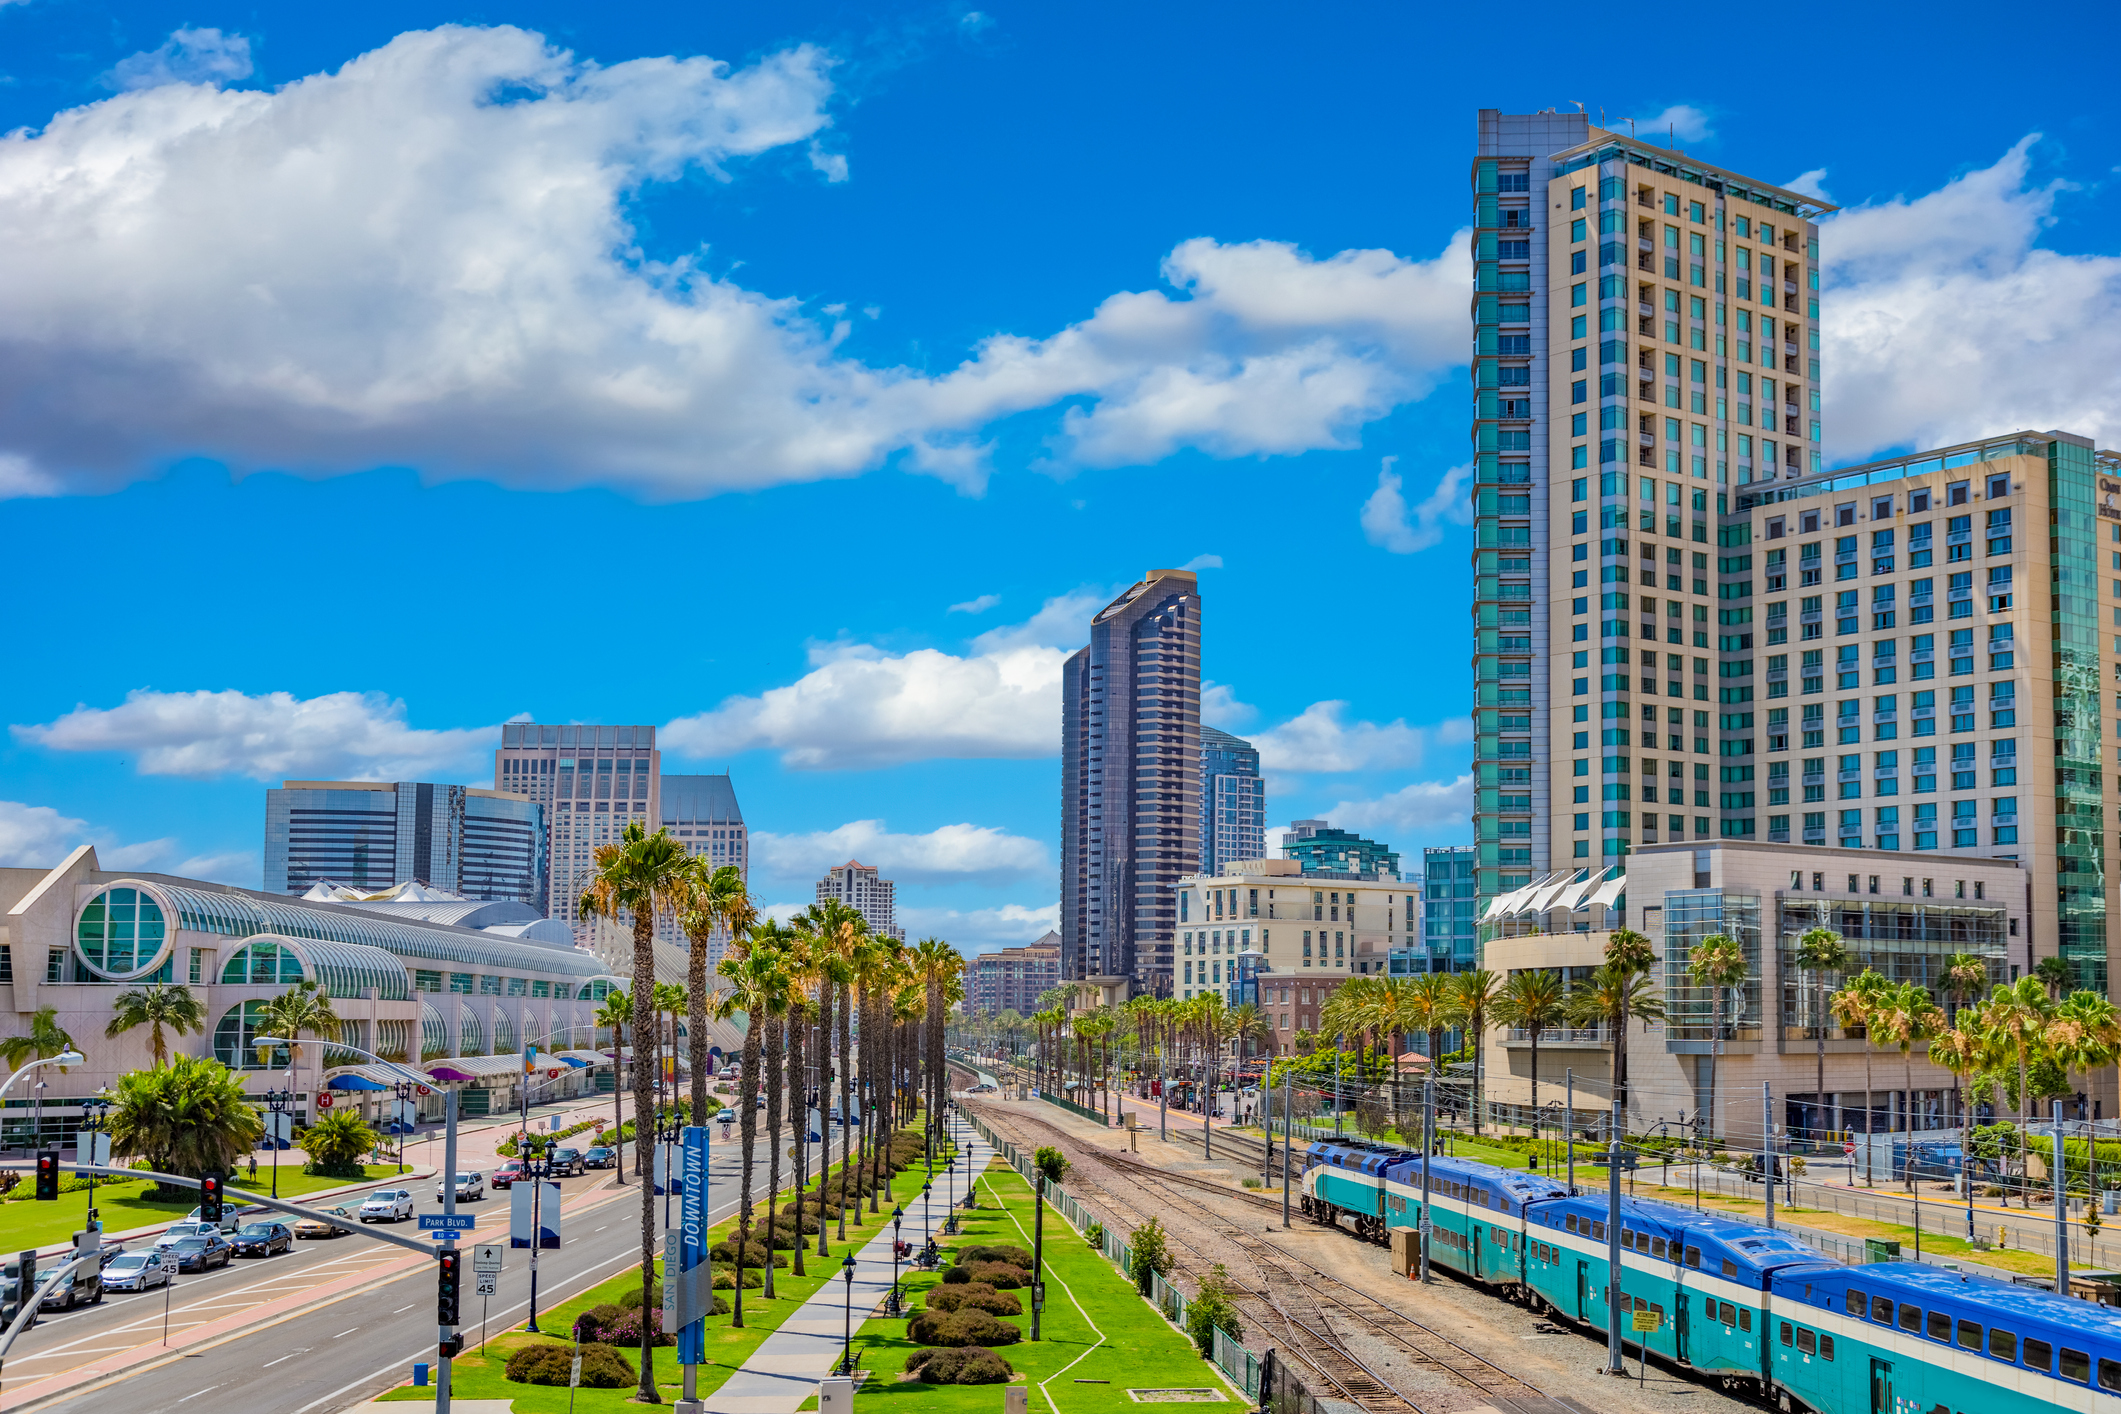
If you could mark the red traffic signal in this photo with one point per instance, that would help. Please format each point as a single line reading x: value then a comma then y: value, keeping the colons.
x: 448, y: 1285
x: 210, y: 1198
x: 47, y: 1177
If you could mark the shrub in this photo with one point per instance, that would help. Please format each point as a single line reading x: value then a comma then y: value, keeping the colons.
x: 630, y: 1299
x: 953, y: 1275
x: 960, y: 1328
x: 542, y: 1364
x: 725, y: 1278
x: 965, y: 1365
x: 337, y: 1142
x: 626, y: 1330
x: 950, y: 1296
x: 975, y: 1296
x: 1211, y: 1310
x: 1095, y: 1233
x: 754, y: 1253
x: 1002, y: 1276
x: 1152, y: 1257
x: 1014, y: 1256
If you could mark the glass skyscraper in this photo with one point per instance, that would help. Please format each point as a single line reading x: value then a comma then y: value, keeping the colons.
x: 370, y: 835
x: 1233, y: 801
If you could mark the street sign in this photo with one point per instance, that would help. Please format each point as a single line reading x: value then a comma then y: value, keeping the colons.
x: 325, y: 1101
x: 488, y: 1284
x: 447, y: 1222
x: 1647, y: 1320
x: 488, y: 1257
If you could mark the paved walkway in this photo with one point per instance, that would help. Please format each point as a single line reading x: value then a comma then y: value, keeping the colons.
x: 786, y: 1367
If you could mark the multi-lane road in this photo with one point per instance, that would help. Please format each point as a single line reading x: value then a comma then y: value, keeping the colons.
x: 335, y: 1321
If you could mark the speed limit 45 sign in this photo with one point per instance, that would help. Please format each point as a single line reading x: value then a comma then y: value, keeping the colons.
x: 488, y: 1284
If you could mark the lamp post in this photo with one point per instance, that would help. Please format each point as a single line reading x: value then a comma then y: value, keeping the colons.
x: 897, y: 1215
x: 950, y: 1197
x: 536, y: 1168
x: 847, y: 1320
x: 278, y: 1102
x: 62, y: 1059
x: 94, y: 1114
x: 927, y: 1232
x: 403, y: 1090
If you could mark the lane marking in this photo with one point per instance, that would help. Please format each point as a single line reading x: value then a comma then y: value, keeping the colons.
x: 288, y: 1356
x: 402, y: 1309
x: 196, y: 1393
x: 348, y: 1331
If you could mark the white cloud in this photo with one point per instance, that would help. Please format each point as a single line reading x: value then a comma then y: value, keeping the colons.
x: 1203, y: 562
x: 1944, y: 322
x: 188, y: 56
x: 976, y: 606
x: 1426, y: 812
x: 1812, y: 183
x: 1219, y: 706
x: 38, y: 837
x: 1681, y: 122
x: 1320, y: 739
x: 859, y: 706
x: 977, y: 930
x: 953, y: 853
x: 34, y: 836
x: 1390, y: 524
x: 425, y: 257
x: 359, y: 736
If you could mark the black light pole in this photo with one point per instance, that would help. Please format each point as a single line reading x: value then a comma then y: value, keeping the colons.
x: 897, y: 1215
x: 847, y: 1321
x: 279, y: 1102
x: 950, y: 1196
x: 403, y: 1090
x: 535, y: 1168
x: 927, y: 1232
x: 93, y: 1114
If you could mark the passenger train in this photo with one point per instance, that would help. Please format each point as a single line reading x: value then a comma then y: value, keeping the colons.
x: 1745, y: 1306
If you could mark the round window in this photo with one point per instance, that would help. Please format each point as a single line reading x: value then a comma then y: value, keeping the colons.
x: 235, y: 1043
x: 120, y: 933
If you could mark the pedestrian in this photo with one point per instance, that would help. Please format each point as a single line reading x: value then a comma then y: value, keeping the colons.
x: 253, y: 1165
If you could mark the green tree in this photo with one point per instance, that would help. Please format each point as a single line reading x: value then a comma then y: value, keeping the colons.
x: 636, y: 878
x: 1052, y: 1166
x: 306, y: 1006
x: 1819, y: 952
x: 719, y: 902
x: 1909, y: 1018
x: 612, y: 1014
x: 1614, y: 995
x: 156, y: 1006
x: 187, y: 1118
x: 1211, y: 1310
x: 753, y: 977
x: 2055, y: 975
x: 1532, y: 1000
x: 45, y: 1038
x: 1717, y: 962
x: 337, y: 1142
x: 1150, y: 1252
x: 1859, y: 1002
x: 1473, y: 996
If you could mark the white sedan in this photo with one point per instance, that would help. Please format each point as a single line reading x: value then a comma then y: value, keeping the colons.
x: 387, y: 1205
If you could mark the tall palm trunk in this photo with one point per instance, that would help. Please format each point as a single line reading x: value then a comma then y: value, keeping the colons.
x: 773, y: 1143
x: 1870, y: 1114
x: 643, y: 1135
x: 618, y: 1099
x: 873, y: 1131
x: 824, y: 1092
x: 748, y: 1122
x: 847, y: 1162
x: 798, y: 1022
x: 696, y: 1019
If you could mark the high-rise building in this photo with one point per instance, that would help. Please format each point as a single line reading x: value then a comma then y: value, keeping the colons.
x: 1322, y: 849
x: 1233, y: 801
x: 1645, y: 350
x: 856, y: 884
x: 1011, y: 979
x: 703, y: 814
x: 1130, y: 782
x: 592, y: 780
x: 1449, y: 912
x: 371, y: 835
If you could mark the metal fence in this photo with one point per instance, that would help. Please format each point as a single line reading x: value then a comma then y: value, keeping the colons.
x: 1079, y: 1111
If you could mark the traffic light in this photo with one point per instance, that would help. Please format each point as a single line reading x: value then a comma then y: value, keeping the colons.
x: 449, y: 1285
x: 17, y: 1287
x: 452, y: 1347
x: 48, y: 1177
x: 210, y: 1198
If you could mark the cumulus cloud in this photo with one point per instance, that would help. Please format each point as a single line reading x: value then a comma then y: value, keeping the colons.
x: 1203, y: 562
x: 1219, y: 706
x: 859, y: 706
x: 976, y: 606
x: 964, y: 852
x: 1426, y: 812
x: 1322, y: 739
x: 1682, y: 122
x: 1929, y: 340
x: 976, y: 930
x: 1812, y: 183
x: 38, y: 837
x: 425, y: 257
x: 1390, y: 524
x: 204, y: 56
x: 360, y: 736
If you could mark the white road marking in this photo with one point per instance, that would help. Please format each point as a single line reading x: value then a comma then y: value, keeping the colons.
x: 196, y: 1393
x: 288, y: 1356
x: 404, y: 1308
x: 348, y: 1331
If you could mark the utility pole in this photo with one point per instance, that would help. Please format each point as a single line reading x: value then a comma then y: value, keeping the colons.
x: 2060, y: 1178
x: 1767, y: 1148
x: 1616, y: 1351
x: 1568, y: 1127
x: 1428, y: 1147
x: 1288, y: 1134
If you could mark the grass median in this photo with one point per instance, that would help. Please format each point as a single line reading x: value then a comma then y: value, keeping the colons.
x: 129, y: 1203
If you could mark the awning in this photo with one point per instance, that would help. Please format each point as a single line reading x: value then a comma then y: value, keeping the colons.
x: 592, y: 1059
x: 353, y: 1082
x: 370, y: 1077
x: 462, y: 1068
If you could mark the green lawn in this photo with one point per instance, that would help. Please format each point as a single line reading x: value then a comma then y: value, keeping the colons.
x: 1090, y: 1307
x: 479, y: 1373
x: 24, y: 1222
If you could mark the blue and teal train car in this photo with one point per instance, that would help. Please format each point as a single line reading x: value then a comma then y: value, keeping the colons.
x: 1476, y: 1213
x: 1347, y: 1180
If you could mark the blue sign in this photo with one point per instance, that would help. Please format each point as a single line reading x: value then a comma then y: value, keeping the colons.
x: 447, y: 1222
x: 692, y: 1340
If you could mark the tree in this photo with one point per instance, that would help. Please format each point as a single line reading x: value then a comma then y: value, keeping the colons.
x: 2055, y: 975
x: 1533, y: 999
x: 1474, y: 994
x: 1613, y: 995
x: 155, y: 1006
x: 752, y: 982
x: 1211, y: 1310
x: 1151, y: 1254
x: 1717, y: 962
x: 337, y: 1142
x: 44, y: 1039
x: 1859, y: 1003
x: 635, y: 878
x: 1958, y: 1048
x: 2018, y: 1014
x: 611, y: 1014
x: 719, y: 902
x: 1963, y: 975
x: 2083, y: 1034
x: 188, y: 1118
x: 1819, y: 952
x: 670, y: 1004
x: 306, y: 1006
x: 1908, y: 1018
x: 936, y: 964
x: 1052, y: 1167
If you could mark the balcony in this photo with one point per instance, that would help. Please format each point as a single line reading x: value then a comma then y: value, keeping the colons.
x: 1578, y: 1036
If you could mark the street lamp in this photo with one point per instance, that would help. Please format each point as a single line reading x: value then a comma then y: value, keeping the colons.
x: 94, y: 1114
x: 846, y: 1366
x: 927, y: 1233
x: 536, y: 1167
x: 279, y: 1102
x: 950, y: 1197
x: 897, y: 1214
x: 403, y: 1089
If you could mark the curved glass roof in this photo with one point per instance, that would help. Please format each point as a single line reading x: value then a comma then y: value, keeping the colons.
x: 240, y: 916
x: 471, y: 1030
x: 434, y: 1032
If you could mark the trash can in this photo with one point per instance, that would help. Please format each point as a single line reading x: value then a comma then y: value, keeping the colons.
x: 1879, y: 1249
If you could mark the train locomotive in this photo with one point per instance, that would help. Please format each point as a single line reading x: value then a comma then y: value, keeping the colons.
x: 1740, y: 1305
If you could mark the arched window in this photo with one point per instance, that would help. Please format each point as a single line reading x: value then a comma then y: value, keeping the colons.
x: 233, y: 1039
x: 120, y: 933
x: 434, y: 1033
x: 262, y: 963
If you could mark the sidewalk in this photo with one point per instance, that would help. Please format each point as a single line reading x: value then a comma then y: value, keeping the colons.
x: 786, y: 1367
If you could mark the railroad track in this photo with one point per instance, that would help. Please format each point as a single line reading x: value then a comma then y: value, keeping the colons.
x: 1302, y: 1306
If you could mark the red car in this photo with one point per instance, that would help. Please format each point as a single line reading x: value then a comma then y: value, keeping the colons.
x: 506, y: 1175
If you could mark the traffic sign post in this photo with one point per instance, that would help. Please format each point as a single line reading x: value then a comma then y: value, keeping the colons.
x: 447, y: 1222
x: 488, y: 1257
x: 1647, y: 1319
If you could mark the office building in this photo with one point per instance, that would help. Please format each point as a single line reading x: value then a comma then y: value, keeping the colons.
x: 1450, y: 914
x: 1013, y: 979
x: 857, y: 885
x: 1322, y: 849
x: 592, y: 781
x: 1645, y: 350
x: 1233, y: 801
x: 1130, y: 783
x: 703, y: 814
x: 371, y: 835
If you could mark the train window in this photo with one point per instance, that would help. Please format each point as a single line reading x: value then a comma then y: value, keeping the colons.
x: 2038, y: 1354
x: 1728, y: 1314
x: 2076, y: 1365
x: 1730, y: 1268
x: 1657, y: 1248
x: 2003, y: 1344
x: 1597, y: 1231
x: 2109, y: 1373
x: 1826, y: 1346
x: 1571, y: 1223
x: 1807, y: 1342
x: 1745, y: 1318
x: 1882, y: 1310
x: 1911, y: 1318
x: 1855, y: 1302
x: 1940, y: 1326
x: 1785, y: 1332
x: 1693, y: 1256
x: 1969, y: 1335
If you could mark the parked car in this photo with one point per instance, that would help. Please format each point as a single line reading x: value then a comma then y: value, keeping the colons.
x: 178, y: 1232
x: 506, y: 1175
x: 79, y: 1287
x: 728, y: 1072
x: 727, y: 1116
x: 137, y: 1271
x: 565, y: 1163
x: 601, y: 1156
x: 233, y: 1216
x: 389, y: 1205
x: 262, y: 1239
x: 200, y: 1253
x: 471, y: 1187
x: 317, y: 1227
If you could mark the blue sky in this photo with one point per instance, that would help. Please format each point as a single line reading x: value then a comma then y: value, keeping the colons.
x: 798, y: 379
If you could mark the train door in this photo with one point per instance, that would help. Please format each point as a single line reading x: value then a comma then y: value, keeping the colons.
x: 1679, y: 1326
x: 1881, y: 1386
x: 1473, y: 1228
x: 1583, y: 1285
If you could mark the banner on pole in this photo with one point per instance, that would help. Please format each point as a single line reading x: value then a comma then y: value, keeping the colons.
x: 520, y: 1201
x: 698, y: 1270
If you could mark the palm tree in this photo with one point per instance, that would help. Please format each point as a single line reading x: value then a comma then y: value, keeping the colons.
x: 1908, y: 1018
x: 2018, y: 1013
x: 1717, y: 962
x: 1613, y: 994
x: 2085, y: 1033
x: 767, y: 939
x: 155, y: 1006
x: 719, y: 901
x: 799, y: 968
x: 1855, y: 1004
x: 306, y: 1006
x: 635, y: 878
x: 752, y: 980
x: 1533, y: 999
x: 1964, y: 975
x: 670, y: 1004
x: 935, y: 962
x: 188, y: 1118
x: 841, y: 932
x: 2054, y: 974
x: 45, y: 1037
x: 1820, y: 951
x: 611, y: 1014
x: 1958, y: 1047
x: 1474, y: 995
